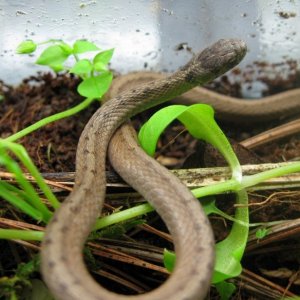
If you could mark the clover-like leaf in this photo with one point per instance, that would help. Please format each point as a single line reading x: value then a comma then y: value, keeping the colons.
x: 57, y: 68
x: 66, y: 48
x: 104, y: 57
x: 82, y: 67
x: 100, y: 67
x: 82, y: 46
x: 95, y: 87
x: 54, y: 57
x: 26, y: 47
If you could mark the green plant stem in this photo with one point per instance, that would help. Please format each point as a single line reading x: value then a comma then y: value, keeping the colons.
x: 67, y: 113
x: 21, y: 153
x: 39, y: 179
x: 76, y: 57
x: 230, y: 251
x: 101, y: 223
x: 20, y: 203
x: 218, y: 188
x: 247, y: 181
x: 49, y: 42
x: 25, y: 235
x: 32, y: 197
x: 230, y: 185
x: 251, y: 180
x: 123, y: 215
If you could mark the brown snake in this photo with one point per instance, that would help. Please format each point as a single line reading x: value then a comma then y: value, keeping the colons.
x: 227, y: 108
x: 62, y: 260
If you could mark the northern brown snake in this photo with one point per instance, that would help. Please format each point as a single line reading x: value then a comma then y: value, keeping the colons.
x: 268, y: 108
x: 62, y: 260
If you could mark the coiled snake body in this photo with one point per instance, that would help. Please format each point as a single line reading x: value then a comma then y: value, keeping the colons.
x: 278, y: 106
x: 62, y: 261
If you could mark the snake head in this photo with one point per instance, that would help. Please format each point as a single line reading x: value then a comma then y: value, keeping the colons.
x: 215, y: 60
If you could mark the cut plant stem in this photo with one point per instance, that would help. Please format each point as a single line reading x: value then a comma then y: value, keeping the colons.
x: 192, y: 178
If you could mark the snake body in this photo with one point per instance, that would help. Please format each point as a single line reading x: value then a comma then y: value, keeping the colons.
x: 227, y: 108
x: 62, y: 261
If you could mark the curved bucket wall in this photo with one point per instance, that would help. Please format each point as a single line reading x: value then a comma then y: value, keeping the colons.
x: 158, y: 35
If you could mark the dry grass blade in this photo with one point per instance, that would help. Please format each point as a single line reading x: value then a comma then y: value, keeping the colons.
x: 128, y: 284
x: 129, y: 259
x: 272, y: 135
x: 8, y: 223
x: 140, y: 250
x: 261, y: 287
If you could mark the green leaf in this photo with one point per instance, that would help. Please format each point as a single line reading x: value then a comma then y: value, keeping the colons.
x: 225, y: 289
x: 261, y: 233
x: 82, y: 67
x: 24, y: 270
x: 100, y: 67
x: 57, y: 68
x: 95, y: 87
x: 26, y: 47
x: 66, y: 48
x: 53, y: 56
x: 82, y: 46
x: 199, y: 120
x: 169, y: 260
x: 226, y: 266
x: 153, y: 128
x: 229, y: 252
x: 19, y: 203
x: 101, y: 60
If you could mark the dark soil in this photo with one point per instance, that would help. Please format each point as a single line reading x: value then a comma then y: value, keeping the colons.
x: 53, y: 149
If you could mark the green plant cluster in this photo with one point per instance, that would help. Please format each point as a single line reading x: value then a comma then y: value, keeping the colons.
x: 95, y: 74
x: 26, y: 197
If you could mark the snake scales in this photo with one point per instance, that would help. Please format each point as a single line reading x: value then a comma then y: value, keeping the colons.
x: 62, y: 260
x: 227, y: 108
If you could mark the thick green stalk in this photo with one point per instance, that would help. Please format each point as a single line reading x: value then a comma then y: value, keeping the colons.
x: 67, y: 113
